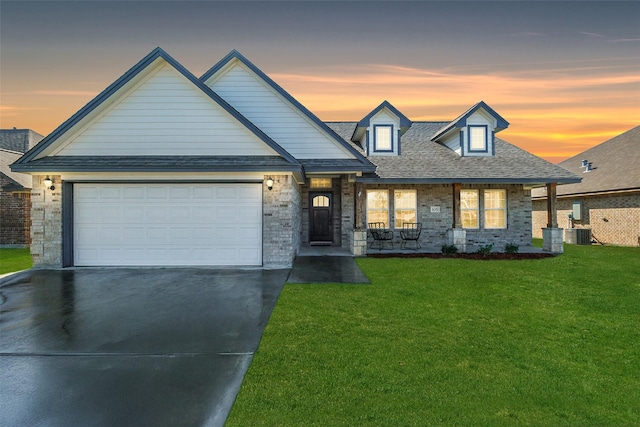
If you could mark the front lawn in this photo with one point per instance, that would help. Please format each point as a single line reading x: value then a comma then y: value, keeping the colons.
x: 14, y: 260
x: 546, y: 342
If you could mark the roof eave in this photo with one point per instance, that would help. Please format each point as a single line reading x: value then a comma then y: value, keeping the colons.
x: 529, y: 181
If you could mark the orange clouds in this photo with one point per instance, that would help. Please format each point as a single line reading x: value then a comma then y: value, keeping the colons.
x: 554, y: 112
x: 556, y: 109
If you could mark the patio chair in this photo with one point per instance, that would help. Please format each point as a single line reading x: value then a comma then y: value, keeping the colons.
x: 411, y: 232
x: 380, y: 234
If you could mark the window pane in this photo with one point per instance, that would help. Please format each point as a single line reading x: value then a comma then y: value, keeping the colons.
x: 377, y: 199
x: 469, y: 219
x: 403, y: 216
x: 495, y: 219
x: 495, y: 208
x: 494, y: 199
x: 405, y: 203
x: 469, y: 199
x: 320, y: 182
x: 383, y: 138
x: 478, y: 138
x: 378, y: 206
x: 469, y: 202
x: 320, y: 202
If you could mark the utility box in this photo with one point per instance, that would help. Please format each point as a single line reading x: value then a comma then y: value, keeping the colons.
x: 577, y: 236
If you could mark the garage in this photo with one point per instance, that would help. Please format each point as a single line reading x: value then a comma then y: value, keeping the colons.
x: 167, y: 224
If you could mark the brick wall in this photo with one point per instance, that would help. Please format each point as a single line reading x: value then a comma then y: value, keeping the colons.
x: 613, y: 218
x: 15, y: 213
x: 282, y: 222
x: 437, y: 222
x: 46, y: 223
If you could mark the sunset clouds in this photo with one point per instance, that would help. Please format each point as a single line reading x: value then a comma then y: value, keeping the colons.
x: 565, y: 77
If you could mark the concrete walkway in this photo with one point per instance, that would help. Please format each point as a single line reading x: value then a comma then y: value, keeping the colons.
x: 326, y: 269
x: 124, y: 347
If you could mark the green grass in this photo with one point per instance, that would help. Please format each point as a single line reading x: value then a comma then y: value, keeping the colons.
x: 549, y: 342
x: 14, y: 260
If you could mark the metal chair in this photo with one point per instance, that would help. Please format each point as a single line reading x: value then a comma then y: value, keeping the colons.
x: 380, y: 234
x: 411, y: 232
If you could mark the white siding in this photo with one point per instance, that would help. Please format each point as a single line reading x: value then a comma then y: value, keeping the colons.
x: 166, y: 115
x: 480, y: 118
x: 453, y: 142
x: 384, y: 118
x: 275, y: 116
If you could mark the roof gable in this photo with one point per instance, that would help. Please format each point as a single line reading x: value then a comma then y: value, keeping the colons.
x: 275, y: 111
x: 157, y: 65
x: 461, y: 121
x: 363, y: 124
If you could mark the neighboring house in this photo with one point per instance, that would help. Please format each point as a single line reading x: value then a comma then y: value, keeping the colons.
x: 15, y: 188
x: 607, y: 201
x: 164, y: 168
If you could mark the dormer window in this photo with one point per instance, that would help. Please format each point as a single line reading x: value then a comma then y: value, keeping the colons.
x: 472, y: 133
x: 478, y: 138
x: 383, y: 138
x: 380, y: 132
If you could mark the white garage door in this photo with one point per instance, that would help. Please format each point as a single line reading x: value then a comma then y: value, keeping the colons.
x: 167, y: 224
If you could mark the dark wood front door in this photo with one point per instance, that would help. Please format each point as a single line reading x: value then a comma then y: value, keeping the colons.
x: 321, y: 218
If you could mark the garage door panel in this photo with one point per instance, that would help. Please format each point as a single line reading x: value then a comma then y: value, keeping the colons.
x: 167, y: 224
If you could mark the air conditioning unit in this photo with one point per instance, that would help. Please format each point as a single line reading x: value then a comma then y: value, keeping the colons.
x: 577, y: 236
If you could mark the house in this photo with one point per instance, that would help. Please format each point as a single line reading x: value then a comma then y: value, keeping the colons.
x: 15, y: 188
x: 164, y: 168
x: 607, y: 201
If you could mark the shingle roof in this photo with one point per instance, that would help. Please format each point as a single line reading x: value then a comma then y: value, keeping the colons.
x: 157, y: 164
x: 423, y: 160
x: 616, y: 166
x: 21, y: 140
x: 19, y: 179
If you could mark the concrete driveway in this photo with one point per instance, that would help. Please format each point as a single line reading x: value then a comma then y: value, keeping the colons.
x: 129, y: 347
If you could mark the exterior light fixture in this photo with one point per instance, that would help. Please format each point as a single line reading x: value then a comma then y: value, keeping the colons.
x: 269, y: 183
x: 48, y: 182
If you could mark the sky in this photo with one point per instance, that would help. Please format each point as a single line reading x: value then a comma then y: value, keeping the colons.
x: 564, y: 74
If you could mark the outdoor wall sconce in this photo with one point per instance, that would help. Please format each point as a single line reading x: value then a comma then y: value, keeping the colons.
x: 48, y: 182
x: 269, y: 183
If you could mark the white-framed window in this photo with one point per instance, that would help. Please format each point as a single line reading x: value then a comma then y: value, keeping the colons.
x: 378, y: 206
x: 405, y: 204
x: 383, y: 138
x: 469, y: 208
x: 478, y: 138
x: 495, y: 208
x: 320, y: 183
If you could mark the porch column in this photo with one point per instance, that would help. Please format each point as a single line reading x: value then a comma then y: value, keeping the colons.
x: 552, y: 235
x: 360, y: 198
x: 457, y: 236
x: 552, y: 211
x: 359, y: 236
x: 457, y: 221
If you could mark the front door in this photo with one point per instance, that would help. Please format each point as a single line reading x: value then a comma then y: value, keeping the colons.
x: 321, y: 218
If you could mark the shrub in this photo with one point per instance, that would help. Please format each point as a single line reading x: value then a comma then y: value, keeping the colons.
x: 485, y: 250
x: 511, y: 248
x: 449, y: 249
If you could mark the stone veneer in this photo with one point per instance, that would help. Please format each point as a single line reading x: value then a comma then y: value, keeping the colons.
x: 281, y: 226
x: 613, y: 218
x: 46, y: 223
